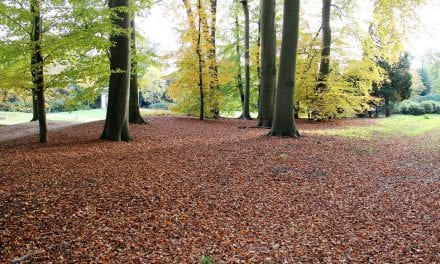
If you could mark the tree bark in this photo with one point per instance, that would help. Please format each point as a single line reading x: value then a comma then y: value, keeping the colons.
x: 116, y: 122
x: 324, y: 67
x: 284, y: 123
x: 34, y: 105
x: 200, y: 62
x: 268, y: 63
x: 245, y: 113
x: 37, y: 64
x: 134, y: 114
x: 239, y: 71
x: 214, y: 84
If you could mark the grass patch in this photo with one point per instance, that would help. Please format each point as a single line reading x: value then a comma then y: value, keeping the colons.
x: 82, y: 116
x: 398, y: 125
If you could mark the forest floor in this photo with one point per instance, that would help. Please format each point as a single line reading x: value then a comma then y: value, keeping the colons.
x: 185, y: 189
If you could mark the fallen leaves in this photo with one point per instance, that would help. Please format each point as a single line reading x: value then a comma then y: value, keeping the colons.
x: 184, y: 189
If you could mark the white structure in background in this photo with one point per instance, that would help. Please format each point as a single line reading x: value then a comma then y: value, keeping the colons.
x: 104, y: 101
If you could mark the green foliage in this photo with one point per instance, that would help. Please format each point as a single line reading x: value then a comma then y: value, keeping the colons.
x: 426, y: 80
x: 206, y: 260
x: 402, y: 125
x: 414, y: 108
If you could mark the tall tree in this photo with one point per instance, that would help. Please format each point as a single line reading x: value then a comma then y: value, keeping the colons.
x: 116, y: 122
x: 238, y: 58
x: 134, y: 114
x: 200, y: 61
x: 324, y: 67
x: 268, y: 63
x: 426, y: 80
x: 213, y: 68
x: 37, y: 64
x: 284, y: 123
x: 245, y: 111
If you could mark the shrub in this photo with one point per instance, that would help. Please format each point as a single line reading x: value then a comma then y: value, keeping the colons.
x: 429, y: 106
x: 417, y: 109
x: 404, y: 106
x: 437, y: 108
x: 158, y: 106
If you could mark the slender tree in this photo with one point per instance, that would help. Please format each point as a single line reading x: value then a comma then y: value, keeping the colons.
x: 284, y: 123
x: 268, y: 63
x: 213, y: 68
x: 134, y: 113
x: 245, y: 112
x: 200, y: 62
x: 324, y: 67
x: 238, y: 58
x: 37, y: 64
x: 116, y: 122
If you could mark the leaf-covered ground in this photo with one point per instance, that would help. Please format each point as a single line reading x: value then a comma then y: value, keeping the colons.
x: 184, y: 189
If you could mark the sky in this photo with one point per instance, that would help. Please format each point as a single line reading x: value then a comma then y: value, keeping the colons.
x: 159, y: 28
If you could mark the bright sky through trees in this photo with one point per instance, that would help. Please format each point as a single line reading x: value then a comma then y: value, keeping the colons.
x: 160, y: 26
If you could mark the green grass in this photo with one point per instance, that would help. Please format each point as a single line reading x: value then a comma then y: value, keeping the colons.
x: 82, y: 116
x: 398, y: 125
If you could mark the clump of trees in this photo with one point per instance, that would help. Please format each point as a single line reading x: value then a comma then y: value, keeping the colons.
x: 221, y: 67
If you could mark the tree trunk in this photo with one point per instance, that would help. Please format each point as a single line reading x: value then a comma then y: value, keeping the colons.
x: 34, y: 105
x: 201, y: 62
x: 237, y: 47
x: 37, y: 64
x: 214, y: 84
x: 134, y: 114
x: 116, y: 122
x: 324, y: 67
x: 245, y: 113
x: 284, y: 123
x: 268, y: 63
x: 387, y: 107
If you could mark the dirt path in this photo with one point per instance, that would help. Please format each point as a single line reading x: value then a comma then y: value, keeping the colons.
x: 8, y: 132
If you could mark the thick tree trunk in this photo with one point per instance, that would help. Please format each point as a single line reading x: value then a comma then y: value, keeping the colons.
x: 284, y: 123
x: 116, y: 122
x: 245, y: 113
x: 200, y: 62
x: 268, y: 63
x: 214, y: 84
x: 34, y: 105
x: 324, y: 67
x: 37, y: 68
x: 134, y: 114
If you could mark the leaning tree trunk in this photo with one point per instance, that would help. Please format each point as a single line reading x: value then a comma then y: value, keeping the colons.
x: 268, y: 63
x: 37, y: 68
x: 134, y: 114
x: 324, y: 67
x: 284, y: 123
x: 116, y: 122
x: 245, y: 113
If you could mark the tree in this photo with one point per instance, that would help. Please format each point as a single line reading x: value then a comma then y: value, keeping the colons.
x: 134, y: 114
x: 324, y: 68
x: 284, y: 123
x: 397, y: 86
x: 245, y: 111
x: 268, y: 63
x: 37, y: 63
x: 426, y: 80
x: 116, y: 122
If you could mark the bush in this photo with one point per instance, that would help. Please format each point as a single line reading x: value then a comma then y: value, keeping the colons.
x: 437, y: 108
x: 17, y: 106
x: 404, y: 106
x: 429, y: 106
x: 417, y: 109
x: 158, y: 106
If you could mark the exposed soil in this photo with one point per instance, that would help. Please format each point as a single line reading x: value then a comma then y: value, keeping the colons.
x: 183, y: 189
